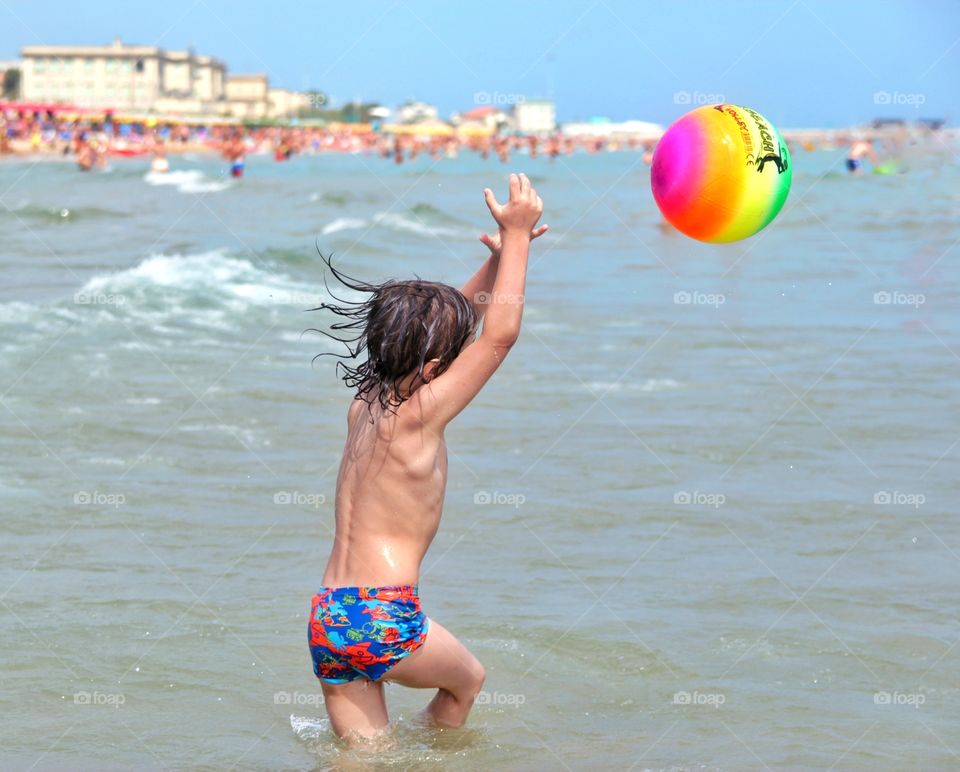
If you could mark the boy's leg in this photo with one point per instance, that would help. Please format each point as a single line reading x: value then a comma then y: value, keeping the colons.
x: 443, y: 663
x: 356, y: 709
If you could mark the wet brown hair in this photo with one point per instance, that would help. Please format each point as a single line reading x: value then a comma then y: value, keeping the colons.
x: 401, y: 326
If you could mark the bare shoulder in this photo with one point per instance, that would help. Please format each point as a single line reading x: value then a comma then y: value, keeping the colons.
x: 438, y: 402
x: 353, y: 412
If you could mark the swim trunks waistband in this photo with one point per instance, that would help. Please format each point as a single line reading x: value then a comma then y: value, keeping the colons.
x: 387, y: 592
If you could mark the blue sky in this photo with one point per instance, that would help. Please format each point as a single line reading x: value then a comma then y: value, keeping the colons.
x: 800, y: 62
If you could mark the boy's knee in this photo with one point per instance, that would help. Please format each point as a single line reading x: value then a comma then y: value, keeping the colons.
x: 472, y: 683
x: 477, y: 677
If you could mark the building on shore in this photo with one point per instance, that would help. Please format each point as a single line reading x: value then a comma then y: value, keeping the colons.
x: 614, y: 130
x: 535, y: 116
x: 148, y: 79
x: 485, y: 119
x: 248, y: 95
x: 416, y: 112
x: 285, y: 103
x: 122, y: 77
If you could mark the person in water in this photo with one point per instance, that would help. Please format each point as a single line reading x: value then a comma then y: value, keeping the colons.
x: 86, y: 155
x: 234, y: 152
x: 424, y: 364
x: 860, y: 149
x: 160, y: 164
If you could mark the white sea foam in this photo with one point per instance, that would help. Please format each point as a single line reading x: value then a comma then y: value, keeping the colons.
x: 173, y: 294
x: 307, y: 728
x: 213, y: 275
x: 106, y: 461
x: 343, y: 224
x: 187, y: 181
x: 392, y: 220
x: 412, y: 225
x: 659, y: 384
x: 15, y: 311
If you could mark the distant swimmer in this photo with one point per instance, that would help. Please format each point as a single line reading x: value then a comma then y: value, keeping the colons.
x: 160, y: 164
x: 234, y: 152
x: 553, y: 147
x: 502, y: 149
x: 284, y: 150
x: 860, y: 149
x: 86, y: 155
x: 648, y: 152
x: 99, y: 143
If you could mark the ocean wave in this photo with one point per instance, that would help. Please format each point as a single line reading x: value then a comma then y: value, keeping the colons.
x: 210, y: 277
x: 337, y: 199
x: 394, y: 221
x: 416, y: 225
x: 187, y: 181
x: 548, y: 327
x: 173, y: 295
x: 343, y: 224
x: 649, y: 385
x: 429, y: 212
x: 24, y: 210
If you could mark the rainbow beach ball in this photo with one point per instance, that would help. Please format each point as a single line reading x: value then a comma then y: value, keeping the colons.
x: 721, y: 173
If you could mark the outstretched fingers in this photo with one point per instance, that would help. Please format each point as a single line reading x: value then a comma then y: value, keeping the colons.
x: 492, y: 204
x: 515, y: 188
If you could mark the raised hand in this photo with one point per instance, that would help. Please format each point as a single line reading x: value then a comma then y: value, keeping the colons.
x: 522, y: 210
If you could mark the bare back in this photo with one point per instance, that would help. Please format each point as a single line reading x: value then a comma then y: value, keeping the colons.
x: 389, y: 497
x: 394, y: 469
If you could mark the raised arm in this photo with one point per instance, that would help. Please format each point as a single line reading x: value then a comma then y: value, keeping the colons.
x: 479, y: 286
x: 438, y: 401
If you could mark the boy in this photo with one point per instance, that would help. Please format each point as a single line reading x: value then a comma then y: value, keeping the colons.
x: 423, y: 367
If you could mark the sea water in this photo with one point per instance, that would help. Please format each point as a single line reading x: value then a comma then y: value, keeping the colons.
x: 704, y: 517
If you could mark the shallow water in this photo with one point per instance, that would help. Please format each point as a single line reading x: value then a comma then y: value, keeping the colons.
x: 666, y: 535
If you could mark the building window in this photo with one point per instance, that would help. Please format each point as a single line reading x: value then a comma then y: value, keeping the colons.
x: 68, y: 64
x: 88, y: 64
x: 140, y: 66
x: 38, y: 64
x: 124, y: 65
x: 111, y: 65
